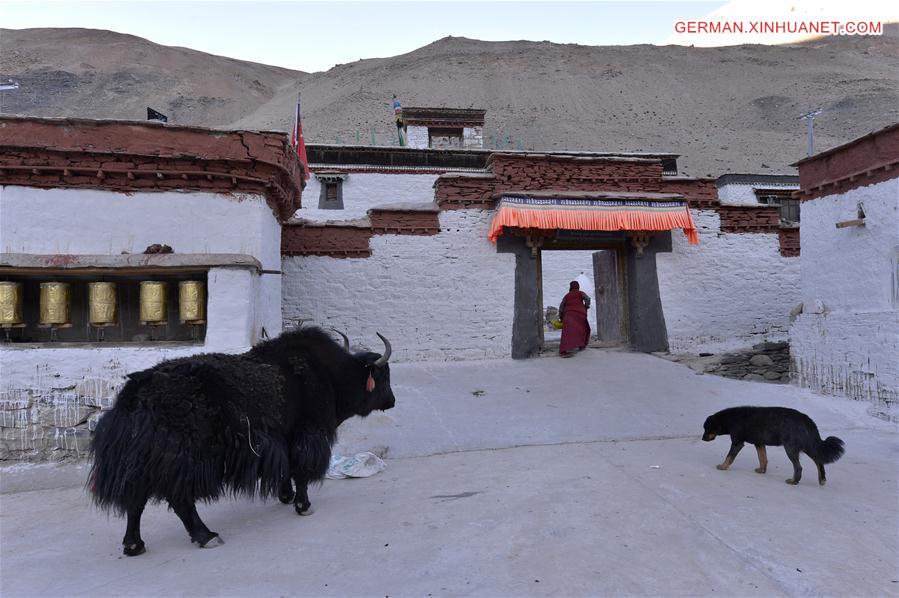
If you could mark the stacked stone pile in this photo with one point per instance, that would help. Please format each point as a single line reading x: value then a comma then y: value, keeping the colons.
x: 765, y: 362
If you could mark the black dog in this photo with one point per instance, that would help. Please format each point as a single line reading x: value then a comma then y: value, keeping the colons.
x: 774, y: 426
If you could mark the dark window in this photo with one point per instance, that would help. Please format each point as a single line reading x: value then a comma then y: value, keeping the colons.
x: 789, y: 207
x: 331, y: 197
x: 789, y: 211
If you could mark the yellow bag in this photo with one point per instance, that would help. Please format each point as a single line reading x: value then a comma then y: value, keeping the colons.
x: 557, y: 324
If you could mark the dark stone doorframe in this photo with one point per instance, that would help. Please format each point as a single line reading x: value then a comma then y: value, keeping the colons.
x: 646, y: 322
x: 527, y: 320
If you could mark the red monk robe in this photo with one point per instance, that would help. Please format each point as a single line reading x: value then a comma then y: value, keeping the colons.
x: 575, y: 327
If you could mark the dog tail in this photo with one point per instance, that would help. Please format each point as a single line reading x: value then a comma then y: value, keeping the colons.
x: 830, y: 449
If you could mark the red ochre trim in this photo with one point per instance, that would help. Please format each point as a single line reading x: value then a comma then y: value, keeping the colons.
x: 135, y: 156
x: 869, y: 176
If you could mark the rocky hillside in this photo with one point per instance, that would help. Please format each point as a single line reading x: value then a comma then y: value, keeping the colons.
x: 101, y: 74
x: 731, y: 109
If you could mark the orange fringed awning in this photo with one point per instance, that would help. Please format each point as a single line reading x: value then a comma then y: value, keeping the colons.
x: 592, y: 214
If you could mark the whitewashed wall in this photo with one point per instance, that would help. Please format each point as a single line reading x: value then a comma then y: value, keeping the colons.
x: 363, y: 191
x: 88, y: 221
x: 444, y: 297
x: 417, y: 137
x: 846, y: 341
x: 729, y: 292
x: 473, y: 137
x: 743, y: 194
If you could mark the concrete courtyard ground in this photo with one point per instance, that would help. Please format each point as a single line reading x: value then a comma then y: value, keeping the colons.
x: 572, y: 477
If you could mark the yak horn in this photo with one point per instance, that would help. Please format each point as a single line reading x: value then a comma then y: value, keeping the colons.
x: 382, y: 360
x: 346, y: 341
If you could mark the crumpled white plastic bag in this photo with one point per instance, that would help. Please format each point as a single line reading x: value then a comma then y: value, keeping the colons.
x: 360, y: 465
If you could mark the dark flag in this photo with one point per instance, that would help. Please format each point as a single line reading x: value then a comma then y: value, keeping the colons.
x: 298, y: 141
x: 154, y: 115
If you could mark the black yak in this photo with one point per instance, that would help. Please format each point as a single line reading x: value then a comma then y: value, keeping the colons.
x: 198, y: 427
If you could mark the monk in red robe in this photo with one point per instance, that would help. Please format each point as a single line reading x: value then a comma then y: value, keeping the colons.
x: 575, y: 327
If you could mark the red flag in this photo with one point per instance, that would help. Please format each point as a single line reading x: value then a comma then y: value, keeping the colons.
x: 297, y: 141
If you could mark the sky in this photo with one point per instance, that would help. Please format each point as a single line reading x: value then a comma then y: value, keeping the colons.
x: 314, y: 36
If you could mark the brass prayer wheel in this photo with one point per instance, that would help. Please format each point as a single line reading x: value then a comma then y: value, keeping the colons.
x: 11, y: 302
x: 102, y: 303
x: 191, y: 302
x: 153, y: 303
x: 54, y: 304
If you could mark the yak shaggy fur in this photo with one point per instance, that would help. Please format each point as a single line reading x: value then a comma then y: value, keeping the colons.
x: 773, y: 426
x: 200, y: 427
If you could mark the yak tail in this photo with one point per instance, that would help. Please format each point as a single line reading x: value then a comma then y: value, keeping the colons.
x: 830, y: 449
x: 110, y: 474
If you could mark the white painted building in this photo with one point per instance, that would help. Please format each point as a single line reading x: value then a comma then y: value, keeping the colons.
x: 755, y: 189
x: 447, y: 293
x: 845, y: 341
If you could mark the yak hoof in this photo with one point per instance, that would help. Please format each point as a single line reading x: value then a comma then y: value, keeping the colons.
x: 822, y: 481
x: 792, y: 482
x: 304, y: 510
x: 722, y: 466
x: 760, y: 470
x: 135, y: 549
x: 212, y: 542
x: 287, y: 498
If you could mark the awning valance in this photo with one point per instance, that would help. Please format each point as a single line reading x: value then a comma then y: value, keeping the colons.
x: 627, y: 214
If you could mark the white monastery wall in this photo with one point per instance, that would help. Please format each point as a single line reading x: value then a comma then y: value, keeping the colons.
x: 473, y: 137
x: 88, y: 221
x: 731, y: 291
x: 448, y: 296
x: 417, y: 137
x: 846, y: 341
x: 363, y: 191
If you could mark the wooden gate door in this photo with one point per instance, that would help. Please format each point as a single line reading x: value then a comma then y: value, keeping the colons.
x: 607, y: 277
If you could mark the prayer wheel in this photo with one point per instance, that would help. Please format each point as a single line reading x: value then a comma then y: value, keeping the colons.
x: 11, y: 302
x: 153, y: 309
x: 102, y: 303
x: 54, y: 304
x: 191, y: 302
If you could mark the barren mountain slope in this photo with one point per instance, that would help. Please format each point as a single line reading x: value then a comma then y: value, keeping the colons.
x: 101, y: 74
x: 730, y: 109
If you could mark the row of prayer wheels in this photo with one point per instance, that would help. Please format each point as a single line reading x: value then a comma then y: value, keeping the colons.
x: 55, y: 303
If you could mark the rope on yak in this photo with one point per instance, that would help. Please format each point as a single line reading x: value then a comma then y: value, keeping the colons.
x: 249, y: 438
